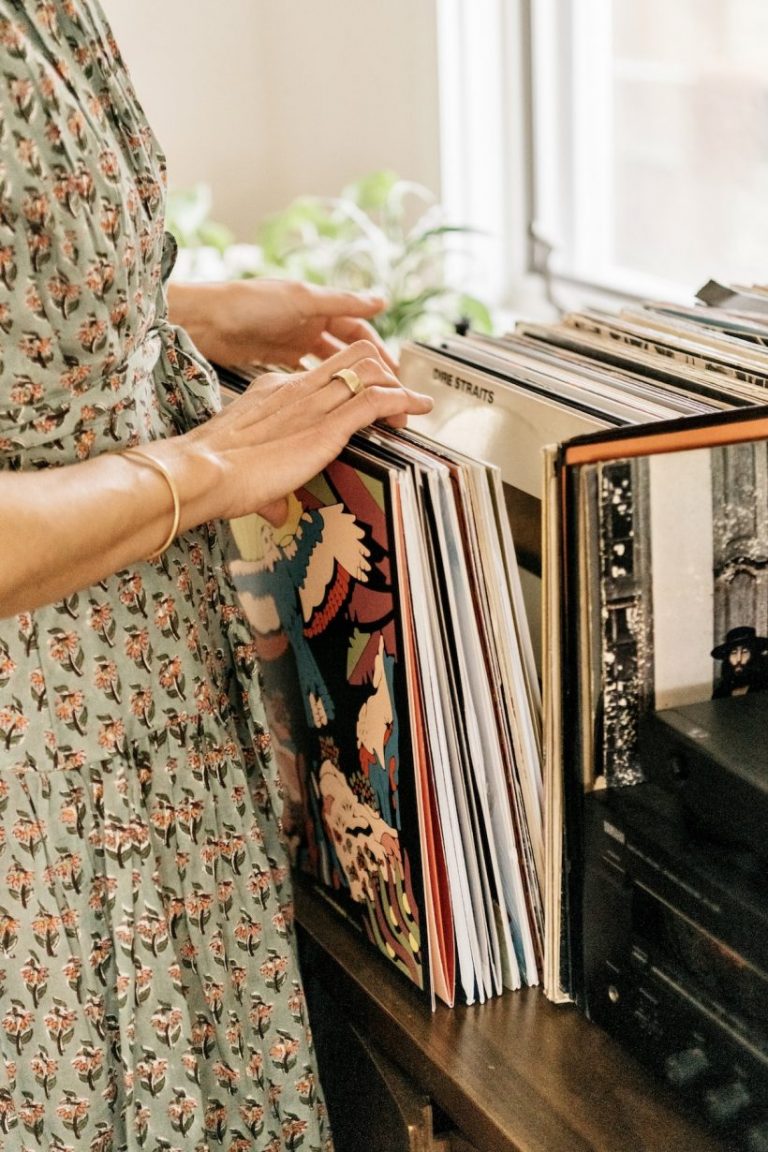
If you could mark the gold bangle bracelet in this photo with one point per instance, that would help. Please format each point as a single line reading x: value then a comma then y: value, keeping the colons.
x: 160, y: 468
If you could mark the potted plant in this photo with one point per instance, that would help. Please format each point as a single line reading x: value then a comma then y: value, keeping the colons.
x: 381, y: 233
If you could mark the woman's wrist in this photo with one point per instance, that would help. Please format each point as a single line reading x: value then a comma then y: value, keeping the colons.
x: 202, y: 311
x: 85, y: 521
x: 198, y: 474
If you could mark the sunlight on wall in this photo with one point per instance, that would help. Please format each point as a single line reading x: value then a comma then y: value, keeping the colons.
x: 265, y: 100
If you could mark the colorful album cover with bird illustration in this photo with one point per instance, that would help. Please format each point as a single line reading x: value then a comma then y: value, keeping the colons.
x: 324, y: 603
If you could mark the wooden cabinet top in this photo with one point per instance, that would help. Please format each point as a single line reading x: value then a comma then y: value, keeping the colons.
x: 517, y: 1074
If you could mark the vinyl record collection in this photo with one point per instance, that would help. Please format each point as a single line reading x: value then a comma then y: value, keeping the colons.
x: 634, y: 447
x: 388, y: 620
x: 582, y: 521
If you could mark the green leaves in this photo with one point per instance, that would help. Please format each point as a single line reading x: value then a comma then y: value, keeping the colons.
x: 382, y: 234
x: 187, y: 217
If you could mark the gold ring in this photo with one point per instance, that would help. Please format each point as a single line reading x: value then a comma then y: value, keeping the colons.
x: 350, y: 378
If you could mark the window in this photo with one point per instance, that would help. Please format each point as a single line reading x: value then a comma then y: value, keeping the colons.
x: 645, y: 140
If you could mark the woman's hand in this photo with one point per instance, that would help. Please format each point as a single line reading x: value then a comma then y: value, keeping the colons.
x: 85, y: 521
x: 273, y: 322
x: 288, y: 426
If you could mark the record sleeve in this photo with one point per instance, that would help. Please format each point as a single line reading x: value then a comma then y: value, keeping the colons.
x: 328, y: 615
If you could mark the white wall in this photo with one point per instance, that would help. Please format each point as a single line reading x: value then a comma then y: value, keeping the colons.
x: 268, y: 99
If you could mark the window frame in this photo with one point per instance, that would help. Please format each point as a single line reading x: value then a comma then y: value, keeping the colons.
x: 516, y: 165
x: 487, y: 173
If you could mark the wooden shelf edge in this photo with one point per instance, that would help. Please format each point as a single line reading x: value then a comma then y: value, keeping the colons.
x: 515, y: 1075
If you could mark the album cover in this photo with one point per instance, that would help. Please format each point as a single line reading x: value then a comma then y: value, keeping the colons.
x: 323, y: 598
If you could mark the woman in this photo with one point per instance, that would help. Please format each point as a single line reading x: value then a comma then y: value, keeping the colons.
x: 149, y: 991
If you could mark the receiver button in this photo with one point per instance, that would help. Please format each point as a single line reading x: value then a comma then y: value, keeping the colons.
x: 724, y: 1104
x: 682, y: 1068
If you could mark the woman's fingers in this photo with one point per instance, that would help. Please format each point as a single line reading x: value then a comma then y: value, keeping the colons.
x: 270, y: 443
x: 328, y: 345
x: 306, y: 448
x: 350, y: 330
x: 318, y: 391
x: 374, y: 402
x: 341, y: 302
x: 368, y: 371
x: 347, y: 318
x: 354, y: 352
x: 275, y: 512
x: 280, y: 406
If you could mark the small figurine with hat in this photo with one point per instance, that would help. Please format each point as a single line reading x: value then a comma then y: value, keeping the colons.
x: 745, y: 662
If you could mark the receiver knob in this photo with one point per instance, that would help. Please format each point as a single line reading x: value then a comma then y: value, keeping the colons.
x: 682, y: 1068
x: 724, y: 1104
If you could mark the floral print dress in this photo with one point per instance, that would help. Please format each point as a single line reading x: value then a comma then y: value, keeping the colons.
x: 149, y: 994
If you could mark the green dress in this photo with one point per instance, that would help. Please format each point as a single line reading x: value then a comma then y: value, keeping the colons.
x: 149, y: 993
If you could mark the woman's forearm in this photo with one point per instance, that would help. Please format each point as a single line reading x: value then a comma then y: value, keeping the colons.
x: 66, y: 528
